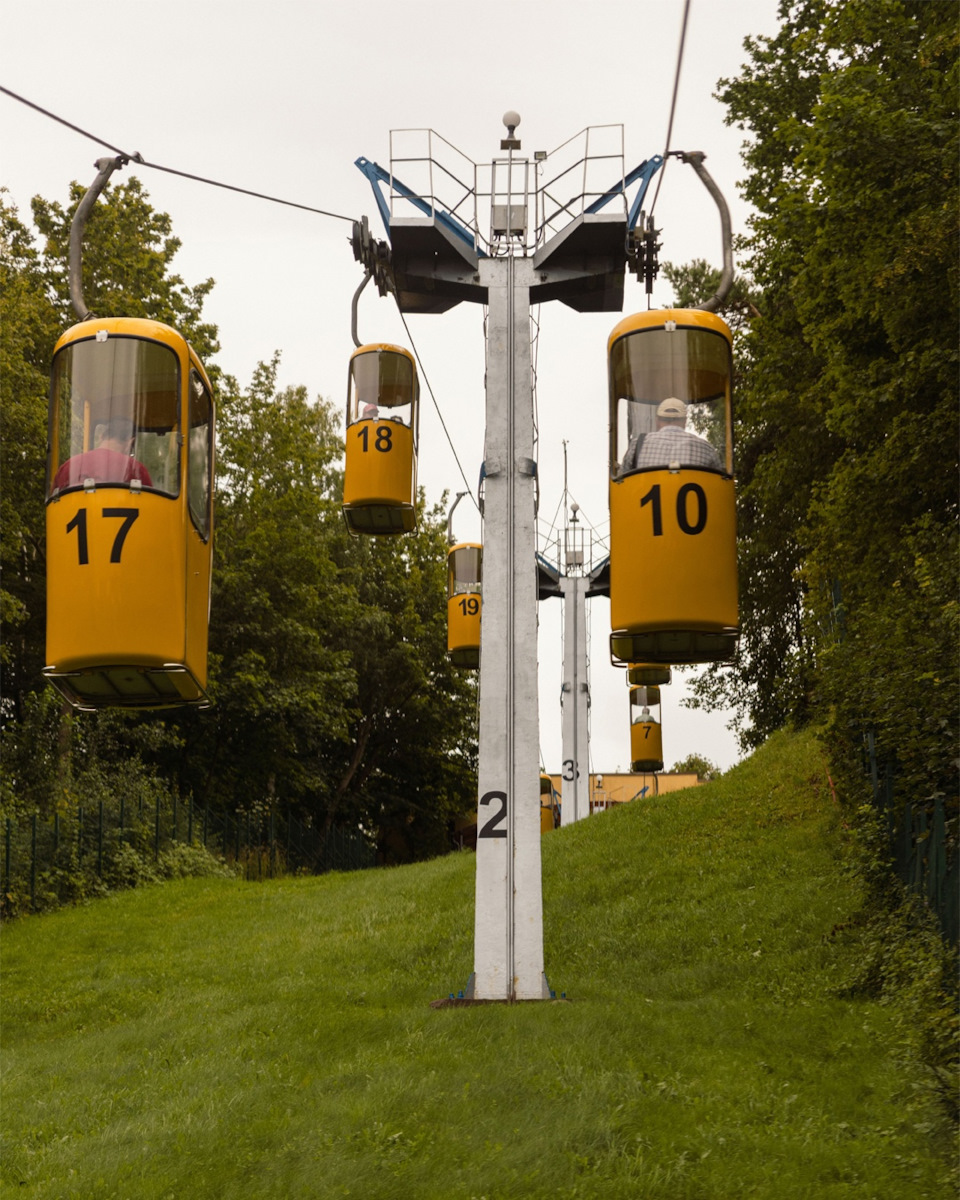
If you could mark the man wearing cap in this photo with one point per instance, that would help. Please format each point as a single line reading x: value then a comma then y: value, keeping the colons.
x: 670, y: 444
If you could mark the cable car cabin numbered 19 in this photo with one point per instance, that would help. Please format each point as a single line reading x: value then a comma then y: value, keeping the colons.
x: 673, y: 551
x: 380, y: 476
x: 129, y: 517
x: 464, y: 564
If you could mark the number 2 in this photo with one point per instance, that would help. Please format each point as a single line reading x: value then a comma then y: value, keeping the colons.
x: 490, y: 830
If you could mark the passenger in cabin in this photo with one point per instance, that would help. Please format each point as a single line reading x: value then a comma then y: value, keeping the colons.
x: 671, y: 444
x: 646, y: 717
x: 111, y: 461
x: 370, y: 412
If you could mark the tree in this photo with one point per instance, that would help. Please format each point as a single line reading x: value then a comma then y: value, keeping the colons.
x: 28, y: 331
x: 847, y: 416
x: 127, y: 254
x: 704, y: 768
x: 334, y: 697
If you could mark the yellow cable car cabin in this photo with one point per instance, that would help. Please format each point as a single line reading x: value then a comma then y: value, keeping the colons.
x: 464, y: 569
x: 383, y: 413
x: 129, y: 516
x: 673, y: 551
x: 647, y: 674
x: 549, y: 808
x: 646, y: 734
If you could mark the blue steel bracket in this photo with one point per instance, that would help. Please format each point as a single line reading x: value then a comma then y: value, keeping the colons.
x: 376, y: 176
x: 644, y: 172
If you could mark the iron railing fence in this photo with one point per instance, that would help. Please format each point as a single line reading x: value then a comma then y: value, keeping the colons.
x: 924, y: 839
x: 48, y: 861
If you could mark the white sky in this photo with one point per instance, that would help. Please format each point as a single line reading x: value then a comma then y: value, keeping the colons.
x: 282, y: 97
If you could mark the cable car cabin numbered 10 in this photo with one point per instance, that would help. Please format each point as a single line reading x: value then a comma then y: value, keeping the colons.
x: 464, y: 565
x: 129, y: 517
x: 673, y: 551
x: 383, y: 413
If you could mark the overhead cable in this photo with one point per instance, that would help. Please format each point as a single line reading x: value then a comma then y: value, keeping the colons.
x: 138, y: 158
x: 443, y: 423
x: 673, y: 104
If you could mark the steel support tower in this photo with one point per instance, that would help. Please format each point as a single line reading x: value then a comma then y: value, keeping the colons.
x: 434, y: 262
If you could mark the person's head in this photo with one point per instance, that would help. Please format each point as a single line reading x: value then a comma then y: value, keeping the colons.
x: 370, y: 412
x: 671, y: 413
x: 117, y: 434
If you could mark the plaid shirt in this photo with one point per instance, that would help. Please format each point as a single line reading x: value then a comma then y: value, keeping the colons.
x: 671, y: 445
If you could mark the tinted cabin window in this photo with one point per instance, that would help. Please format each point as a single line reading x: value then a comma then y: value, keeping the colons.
x: 649, y: 367
x: 463, y: 570
x: 200, y: 455
x: 115, y: 415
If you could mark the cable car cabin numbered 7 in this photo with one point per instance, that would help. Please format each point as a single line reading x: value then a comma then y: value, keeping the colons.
x: 464, y: 564
x: 646, y: 733
x: 380, y: 477
x: 673, y: 552
x: 129, y: 517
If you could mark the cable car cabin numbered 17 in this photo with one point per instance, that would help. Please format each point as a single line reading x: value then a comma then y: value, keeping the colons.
x: 380, y: 476
x: 129, y: 517
x: 673, y: 550
x: 464, y: 565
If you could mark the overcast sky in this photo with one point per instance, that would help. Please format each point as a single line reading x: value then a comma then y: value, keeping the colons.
x: 282, y: 97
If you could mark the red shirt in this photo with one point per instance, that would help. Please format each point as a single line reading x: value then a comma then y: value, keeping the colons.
x: 104, y: 466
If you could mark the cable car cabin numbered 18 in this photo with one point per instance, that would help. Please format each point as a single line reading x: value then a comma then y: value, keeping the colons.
x: 464, y: 565
x: 673, y: 550
x: 129, y: 516
x: 380, y: 477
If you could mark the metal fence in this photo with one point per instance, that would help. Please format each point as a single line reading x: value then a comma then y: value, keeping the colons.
x: 923, y: 840
x: 50, y: 861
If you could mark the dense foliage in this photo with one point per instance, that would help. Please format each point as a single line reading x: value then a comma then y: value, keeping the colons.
x: 847, y: 407
x: 335, y: 701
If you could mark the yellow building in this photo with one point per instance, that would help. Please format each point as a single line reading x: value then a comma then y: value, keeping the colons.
x: 606, y: 790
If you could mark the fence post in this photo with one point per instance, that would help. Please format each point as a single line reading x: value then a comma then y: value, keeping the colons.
x: 33, y: 861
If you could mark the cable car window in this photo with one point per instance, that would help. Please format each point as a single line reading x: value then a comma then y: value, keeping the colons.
x: 463, y: 574
x: 382, y: 386
x: 115, y: 415
x: 199, y: 456
x: 671, y: 388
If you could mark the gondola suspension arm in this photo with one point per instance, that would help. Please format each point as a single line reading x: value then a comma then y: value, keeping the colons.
x: 105, y: 168
x: 695, y: 159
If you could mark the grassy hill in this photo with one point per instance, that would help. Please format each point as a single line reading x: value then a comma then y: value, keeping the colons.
x: 212, y: 1038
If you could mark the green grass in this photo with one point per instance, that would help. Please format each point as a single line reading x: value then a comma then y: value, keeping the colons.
x: 213, y: 1038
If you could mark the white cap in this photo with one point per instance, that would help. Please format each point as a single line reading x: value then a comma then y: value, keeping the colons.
x: 672, y: 409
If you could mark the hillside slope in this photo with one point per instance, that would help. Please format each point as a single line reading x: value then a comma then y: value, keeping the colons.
x: 215, y: 1038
